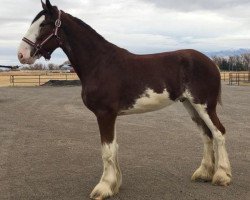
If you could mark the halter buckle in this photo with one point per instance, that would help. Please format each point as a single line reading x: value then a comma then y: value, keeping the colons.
x: 58, y: 23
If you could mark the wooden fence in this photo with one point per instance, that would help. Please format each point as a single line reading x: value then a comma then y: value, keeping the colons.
x: 37, y: 80
x: 239, y: 78
x: 224, y: 76
x: 233, y: 78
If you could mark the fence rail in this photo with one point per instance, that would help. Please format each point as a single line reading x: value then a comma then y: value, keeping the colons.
x: 238, y: 77
x: 38, y: 80
x: 233, y: 78
x: 224, y: 76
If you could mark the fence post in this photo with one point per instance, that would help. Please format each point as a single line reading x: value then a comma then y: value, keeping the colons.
x: 39, y: 79
x: 12, y: 79
x: 238, y: 78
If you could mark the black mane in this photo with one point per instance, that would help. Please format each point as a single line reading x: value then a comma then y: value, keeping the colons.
x: 39, y: 15
x: 77, y: 20
x: 83, y: 24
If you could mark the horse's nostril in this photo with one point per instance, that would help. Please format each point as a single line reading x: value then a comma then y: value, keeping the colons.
x: 20, y: 55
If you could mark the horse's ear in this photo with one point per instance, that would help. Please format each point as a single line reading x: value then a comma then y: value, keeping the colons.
x: 43, y: 5
x: 49, y: 7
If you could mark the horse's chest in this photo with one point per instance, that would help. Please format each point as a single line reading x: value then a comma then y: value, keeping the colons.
x: 149, y: 101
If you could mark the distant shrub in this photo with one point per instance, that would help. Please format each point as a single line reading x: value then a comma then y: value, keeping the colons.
x: 52, y: 66
x: 233, y: 63
x: 40, y: 66
x: 36, y: 66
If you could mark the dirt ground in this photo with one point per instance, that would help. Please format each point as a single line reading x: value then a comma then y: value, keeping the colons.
x: 50, y: 148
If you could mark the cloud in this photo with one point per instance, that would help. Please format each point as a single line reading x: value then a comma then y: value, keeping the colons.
x: 193, y: 5
x: 141, y: 26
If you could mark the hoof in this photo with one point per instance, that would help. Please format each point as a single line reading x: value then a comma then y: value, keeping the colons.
x: 101, y: 191
x: 203, y: 174
x: 222, y: 178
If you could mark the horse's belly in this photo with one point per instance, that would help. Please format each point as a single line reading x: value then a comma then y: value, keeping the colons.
x: 149, y: 101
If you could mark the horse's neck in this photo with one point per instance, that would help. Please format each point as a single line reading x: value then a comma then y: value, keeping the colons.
x: 84, y: 47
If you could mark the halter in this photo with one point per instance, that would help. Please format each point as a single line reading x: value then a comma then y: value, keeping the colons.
x: 39, y: 46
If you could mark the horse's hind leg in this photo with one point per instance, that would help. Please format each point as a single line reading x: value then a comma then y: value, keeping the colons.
x: 222, y: 170
x: 111, y: 178
x: 223, y: 173
x: 206, y: 170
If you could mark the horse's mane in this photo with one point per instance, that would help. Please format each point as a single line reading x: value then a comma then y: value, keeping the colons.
x: 84, y: 25
x: 38, y: 16
x: 75, y: 19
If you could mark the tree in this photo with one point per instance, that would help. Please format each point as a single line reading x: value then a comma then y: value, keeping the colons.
x: 233, y: 63
x: 52, y: 66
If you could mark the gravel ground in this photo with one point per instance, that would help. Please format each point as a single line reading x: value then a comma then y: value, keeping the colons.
x: 50, y: 148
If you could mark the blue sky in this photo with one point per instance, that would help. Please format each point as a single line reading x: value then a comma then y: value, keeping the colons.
x: 141, y: 26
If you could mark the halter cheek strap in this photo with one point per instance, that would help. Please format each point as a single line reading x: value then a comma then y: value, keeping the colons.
x: 39, y: 47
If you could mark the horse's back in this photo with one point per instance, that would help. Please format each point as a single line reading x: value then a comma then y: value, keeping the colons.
x: 157, y: 80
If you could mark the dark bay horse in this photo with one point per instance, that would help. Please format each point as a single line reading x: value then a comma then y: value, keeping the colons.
x: 116, y: 82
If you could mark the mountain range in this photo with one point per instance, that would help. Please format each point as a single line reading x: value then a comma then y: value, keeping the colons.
x: 226, y: 53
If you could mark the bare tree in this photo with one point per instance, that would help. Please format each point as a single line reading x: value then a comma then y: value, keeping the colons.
x: 234, y: 63
x: 52, y: 66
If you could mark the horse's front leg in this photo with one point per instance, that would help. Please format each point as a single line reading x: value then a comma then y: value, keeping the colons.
x: 111, y: 178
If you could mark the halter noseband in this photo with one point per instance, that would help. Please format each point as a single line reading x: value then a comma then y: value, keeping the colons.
x: 39, y: 46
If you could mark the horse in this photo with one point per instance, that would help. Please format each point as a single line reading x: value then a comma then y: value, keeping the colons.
x: 116, y: 82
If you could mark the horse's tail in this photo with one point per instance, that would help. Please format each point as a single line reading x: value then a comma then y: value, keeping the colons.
x: 219, y: 96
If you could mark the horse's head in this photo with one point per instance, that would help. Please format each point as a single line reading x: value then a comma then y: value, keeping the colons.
x: 42, y: 37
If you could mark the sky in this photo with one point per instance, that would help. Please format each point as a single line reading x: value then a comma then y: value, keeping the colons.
x: 141, y: 26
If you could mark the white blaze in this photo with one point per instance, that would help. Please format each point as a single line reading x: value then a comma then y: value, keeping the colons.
x: 32, y: 34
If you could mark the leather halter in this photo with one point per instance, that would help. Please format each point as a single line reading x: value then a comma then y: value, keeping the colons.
x: 39, y: 47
